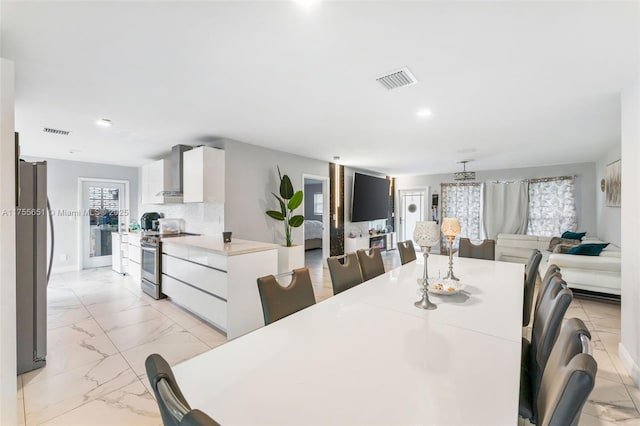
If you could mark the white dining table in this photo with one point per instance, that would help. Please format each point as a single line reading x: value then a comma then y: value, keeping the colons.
x: 368, y: 356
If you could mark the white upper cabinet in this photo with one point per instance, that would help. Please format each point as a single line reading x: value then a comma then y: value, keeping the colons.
x: 156, y: 177
x: 203, y: 175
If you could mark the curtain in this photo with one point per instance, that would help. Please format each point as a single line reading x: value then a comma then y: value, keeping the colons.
x: 505, y: 208
x: 464, y: 201
x: 552, y: 206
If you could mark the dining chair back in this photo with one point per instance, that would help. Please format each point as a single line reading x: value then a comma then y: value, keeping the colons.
x: 569, y: 377
x: 547, y: 323
x: 530, y: 275
x: 174, y: 408
x: 371, y: 265
x: 279, y: 301
x: 552, y: 270
x: 345, y: 272
x: 407, y: 252
x: 485, y: 250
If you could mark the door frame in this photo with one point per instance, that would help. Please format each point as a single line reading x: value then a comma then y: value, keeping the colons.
x: 325, y: 211
x: 426, y: 208
x: 80, y: 240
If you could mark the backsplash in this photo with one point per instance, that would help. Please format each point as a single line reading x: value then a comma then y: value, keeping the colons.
x: 200, y: 218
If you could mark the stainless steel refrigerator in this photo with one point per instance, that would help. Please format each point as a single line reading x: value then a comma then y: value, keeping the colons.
x: 33, y: 267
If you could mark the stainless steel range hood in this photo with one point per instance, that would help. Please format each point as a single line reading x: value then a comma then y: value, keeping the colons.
x: 176, y: 171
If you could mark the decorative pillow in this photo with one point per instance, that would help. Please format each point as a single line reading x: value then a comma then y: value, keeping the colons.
x: 564, y: 241
x: 587, y: 249
x: 563, y: 248
x: 573, y: 235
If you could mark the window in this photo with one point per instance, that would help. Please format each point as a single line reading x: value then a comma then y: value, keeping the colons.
x: 552, y: 206
x: 317, y: 203
x: 464, y: 201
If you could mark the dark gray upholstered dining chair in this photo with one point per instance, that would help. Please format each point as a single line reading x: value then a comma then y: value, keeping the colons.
x: 278, y: 301
x: 174, y: 409
x: 407, y: 252
x: 568, y: 378
x: 547, y: 322
x: 530, y: 275
x: 485, y: 250
x: 371, y: 265
x: 345, y: 272
x: 552, y: 270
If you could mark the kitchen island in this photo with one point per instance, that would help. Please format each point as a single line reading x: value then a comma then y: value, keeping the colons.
x: 217, y: 281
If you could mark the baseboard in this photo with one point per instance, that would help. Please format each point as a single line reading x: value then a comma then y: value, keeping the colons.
x: 629, y: 364
x: 61, y: 269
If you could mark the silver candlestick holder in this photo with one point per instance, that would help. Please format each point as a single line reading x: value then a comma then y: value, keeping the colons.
x: 450, y: 275
x: 425, y: 303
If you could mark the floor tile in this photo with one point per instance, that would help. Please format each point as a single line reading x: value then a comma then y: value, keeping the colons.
x: 208, y: 335
x: 610, y: 401
x: 144, y: 332
x: 112, y: 322
x: 60, y: 316
x: 63, y: 358
x: 51, y: 397
x: 74, y: 333
x: 175, y: 347
x: 130, y: 405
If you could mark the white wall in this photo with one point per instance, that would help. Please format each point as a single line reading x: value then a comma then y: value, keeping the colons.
x: 629, y: 348
x: 62, y: 190
x: 585, y: 185
x: 251, y: 176
x: 607, y: 218
x: 7, y: 248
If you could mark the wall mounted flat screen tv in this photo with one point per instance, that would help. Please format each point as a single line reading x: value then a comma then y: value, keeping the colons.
x: 370, y: 198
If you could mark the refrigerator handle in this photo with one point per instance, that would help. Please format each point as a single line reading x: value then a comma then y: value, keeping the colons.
x: 52, y: 240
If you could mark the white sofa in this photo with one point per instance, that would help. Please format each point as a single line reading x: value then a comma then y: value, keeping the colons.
x: 594, y: 273
x: 517, y: 247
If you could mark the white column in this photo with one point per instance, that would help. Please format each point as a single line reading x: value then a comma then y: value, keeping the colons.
x: 629, y: 348
x: 7, y: 248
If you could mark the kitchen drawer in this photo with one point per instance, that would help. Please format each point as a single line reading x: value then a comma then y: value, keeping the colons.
x: 205, y: 278
x: 202, y: 304
x: 134, y: 253
x: 195, y: 254
x: 134, y: 238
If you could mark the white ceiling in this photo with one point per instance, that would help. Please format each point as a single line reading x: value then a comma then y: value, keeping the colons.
x: 510, y: 84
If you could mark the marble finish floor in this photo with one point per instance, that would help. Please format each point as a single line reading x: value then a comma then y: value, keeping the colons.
x: 102, y: 327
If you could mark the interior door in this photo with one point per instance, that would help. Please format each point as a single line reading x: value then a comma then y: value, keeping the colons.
x: 411, y: 205
x: 102, y: 205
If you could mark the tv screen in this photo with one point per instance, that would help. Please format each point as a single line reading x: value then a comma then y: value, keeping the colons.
x: 370, y: 198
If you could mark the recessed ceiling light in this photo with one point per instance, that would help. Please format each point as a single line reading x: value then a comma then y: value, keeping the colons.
x: 104, y: 122
x: 424, y: 113
x: 74, y: 151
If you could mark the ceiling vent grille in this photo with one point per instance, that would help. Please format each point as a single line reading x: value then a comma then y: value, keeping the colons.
x: 400, y: 78
x: 55, y: 131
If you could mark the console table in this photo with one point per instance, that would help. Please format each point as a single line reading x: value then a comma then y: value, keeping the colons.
x: 367, y: 241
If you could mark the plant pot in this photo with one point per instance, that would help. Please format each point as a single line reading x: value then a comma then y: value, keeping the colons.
x: 290, y: 258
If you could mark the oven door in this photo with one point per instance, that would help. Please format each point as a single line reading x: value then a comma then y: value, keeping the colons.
x: 150, y: 262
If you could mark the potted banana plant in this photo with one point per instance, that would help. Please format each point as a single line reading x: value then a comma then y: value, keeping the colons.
x: 290, y: 256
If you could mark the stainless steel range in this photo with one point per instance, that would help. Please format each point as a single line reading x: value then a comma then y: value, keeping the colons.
x: 150, y: 262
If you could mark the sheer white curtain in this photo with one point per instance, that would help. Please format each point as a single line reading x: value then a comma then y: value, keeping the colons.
x: 464, y: 201
x: 505, y: 208
x: 552, y: 206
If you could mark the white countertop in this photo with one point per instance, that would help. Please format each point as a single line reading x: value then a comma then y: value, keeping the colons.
x: 215, y: 244
x: 369, y: 357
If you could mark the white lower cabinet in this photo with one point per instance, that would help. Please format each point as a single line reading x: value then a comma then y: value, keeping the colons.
x: 205, y: 278
x: 202, y: 304
x: 133, y: 262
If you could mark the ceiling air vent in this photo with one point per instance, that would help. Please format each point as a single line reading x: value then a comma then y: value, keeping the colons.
x: 55, y: 131
x: 400, y: 78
